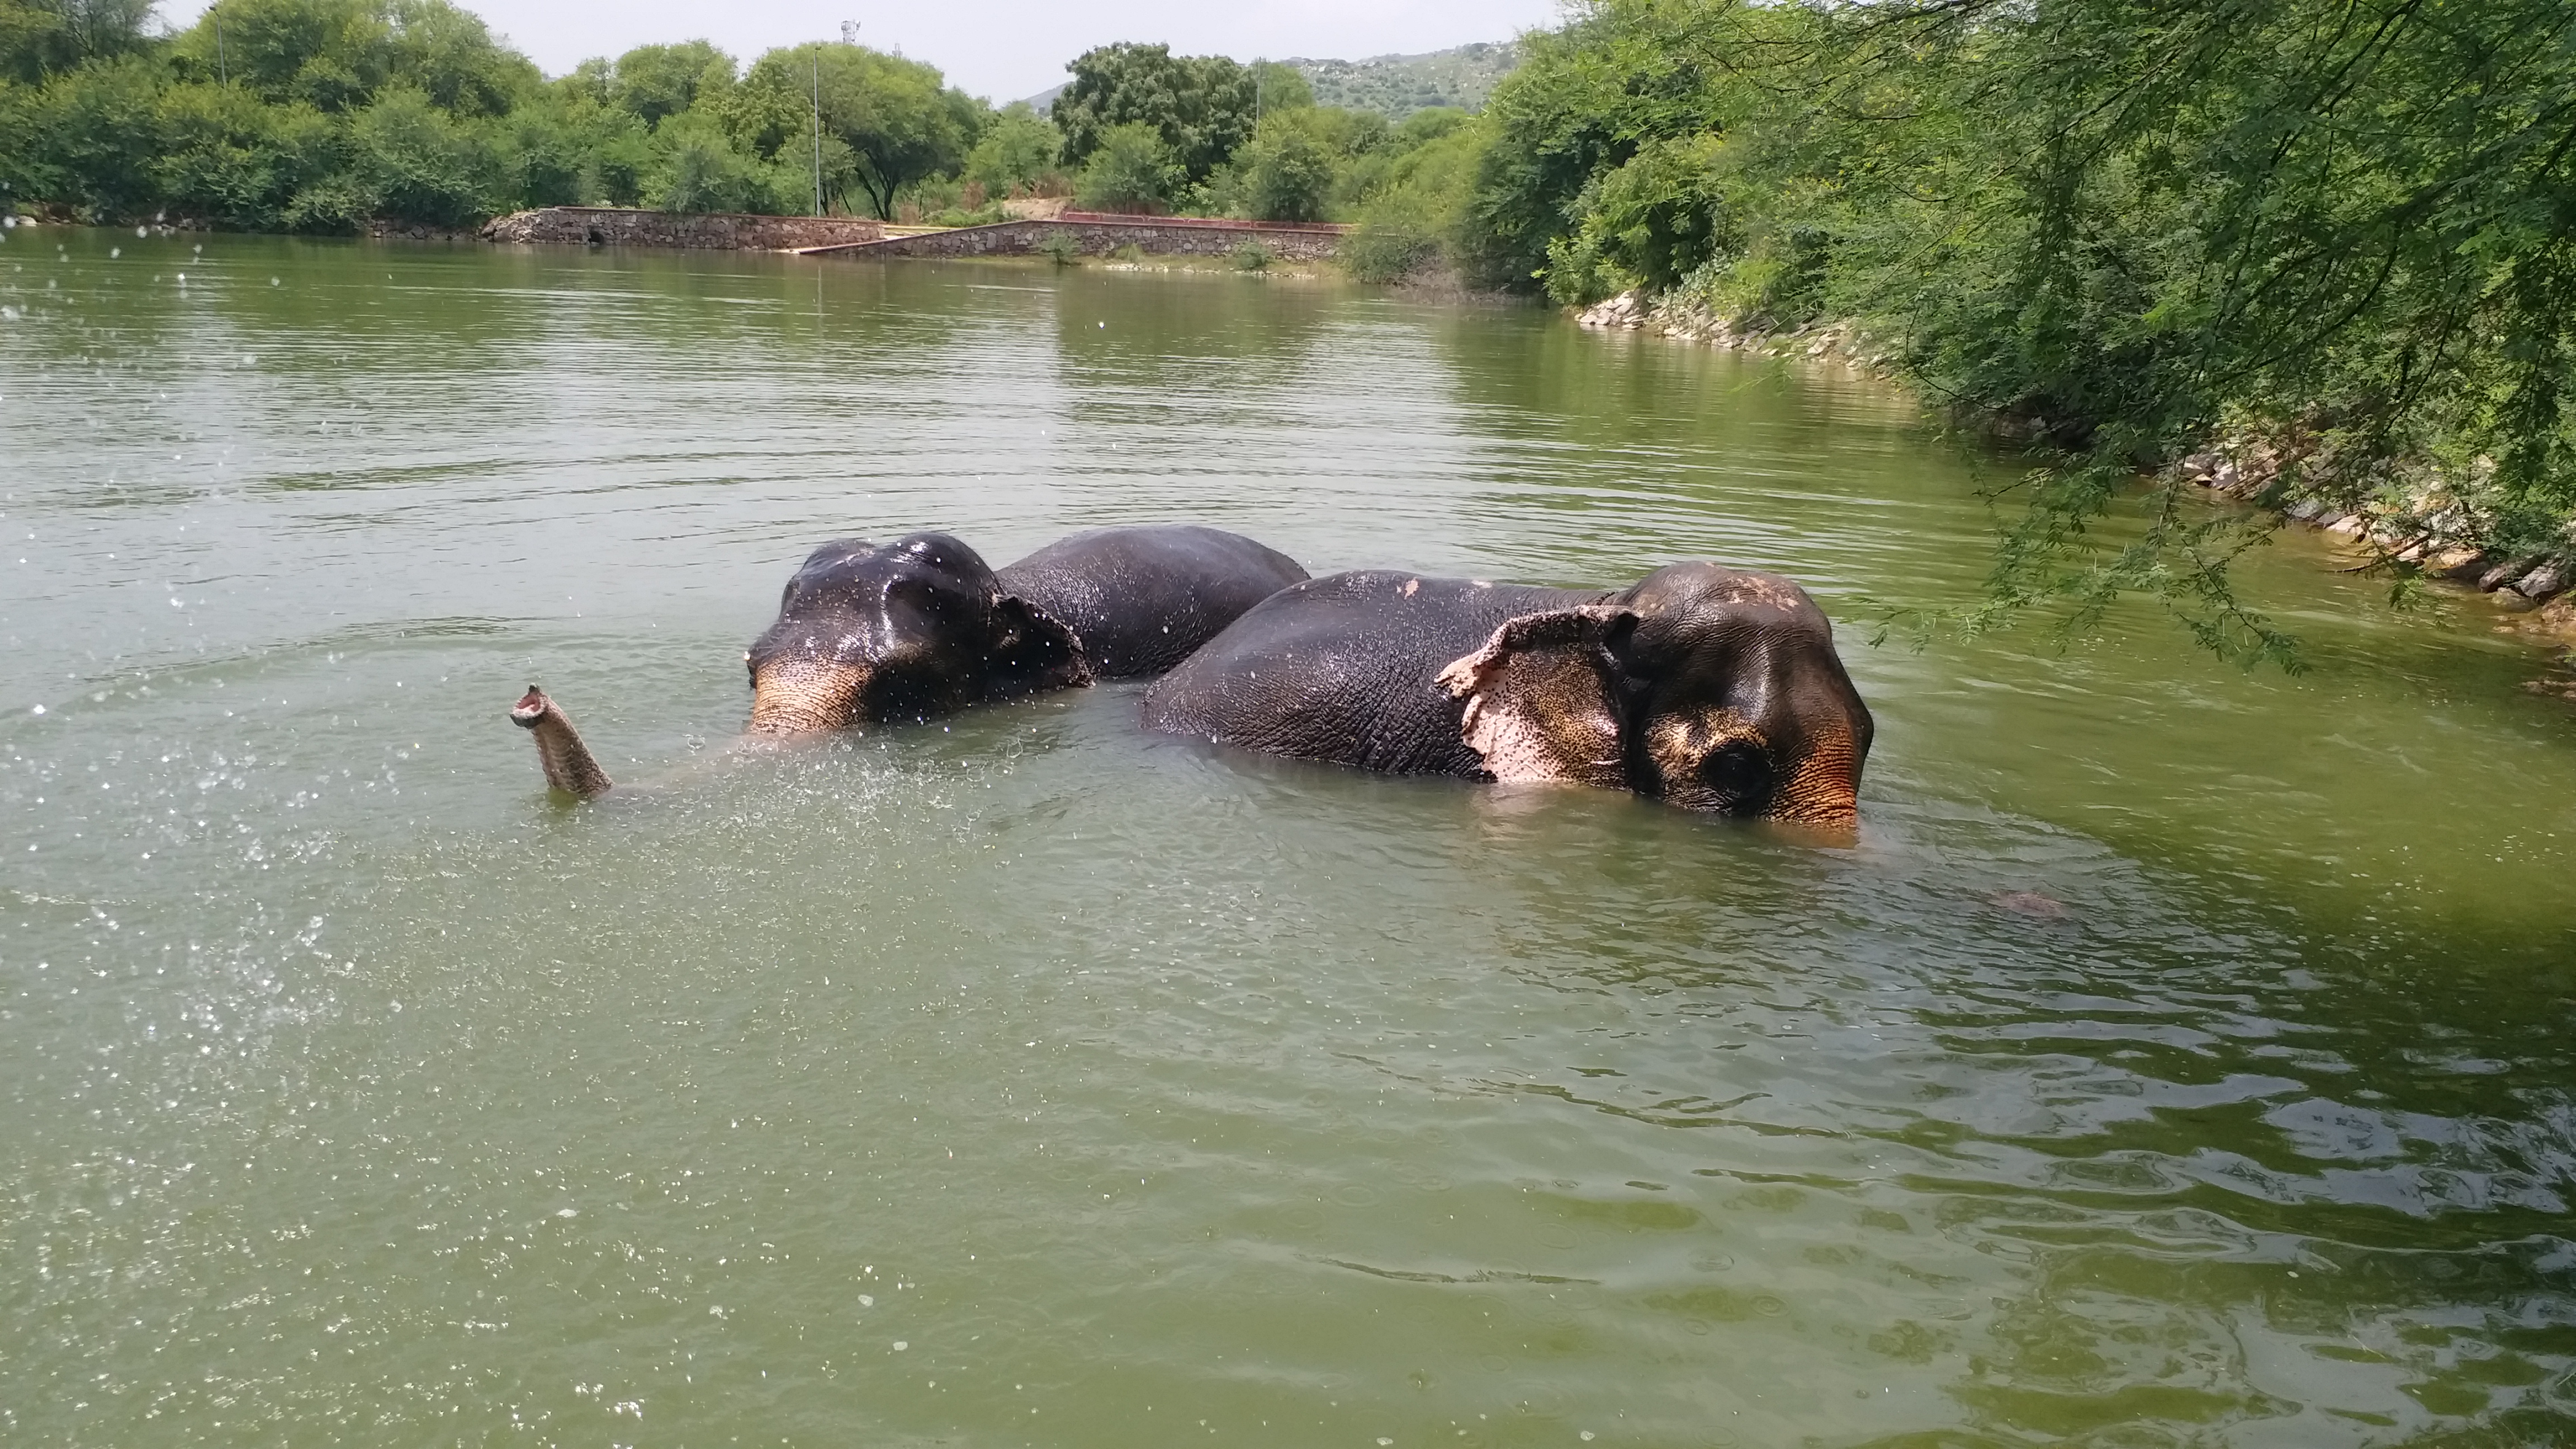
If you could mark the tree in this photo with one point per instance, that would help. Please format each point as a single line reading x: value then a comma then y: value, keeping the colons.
x: 1201, y: 106
x: 47, y: 37
x: 1020, y: 147
x: 699, y: 169
x: 1280, y: 87
x: 1288, y: 168
x: 420, y: 163
x: 658, y: 81
x: 898, y: 120
x: 1130, y: 170
x: 336, y: 54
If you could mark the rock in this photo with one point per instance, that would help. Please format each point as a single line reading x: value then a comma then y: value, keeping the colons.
x: 2550, y: 578
x: 2305, y: 509
x: 2504, y: 573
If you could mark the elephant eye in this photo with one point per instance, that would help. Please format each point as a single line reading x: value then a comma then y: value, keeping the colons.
x: 1740, y: 773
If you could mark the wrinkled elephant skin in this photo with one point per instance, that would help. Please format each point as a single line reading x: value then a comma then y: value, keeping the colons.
x: 1710, y: 688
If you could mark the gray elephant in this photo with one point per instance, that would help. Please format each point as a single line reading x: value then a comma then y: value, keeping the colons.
x: 1707, y: 687
x: 870, y: 633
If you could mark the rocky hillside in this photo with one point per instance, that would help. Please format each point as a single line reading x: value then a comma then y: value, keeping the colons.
x: 1395, y: 86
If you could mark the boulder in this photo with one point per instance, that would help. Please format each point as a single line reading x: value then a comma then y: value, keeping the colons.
x: 2503, y: 572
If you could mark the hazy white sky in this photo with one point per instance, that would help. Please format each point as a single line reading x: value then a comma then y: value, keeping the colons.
x: 1003, y: 49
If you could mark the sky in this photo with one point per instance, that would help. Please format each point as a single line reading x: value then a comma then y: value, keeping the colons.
x: 1000, y: 49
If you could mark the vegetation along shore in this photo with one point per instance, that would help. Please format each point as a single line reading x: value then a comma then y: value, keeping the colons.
x: 2316, y: 253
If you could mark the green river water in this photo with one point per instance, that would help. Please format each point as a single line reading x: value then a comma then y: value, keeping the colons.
x: 1026, y: 1079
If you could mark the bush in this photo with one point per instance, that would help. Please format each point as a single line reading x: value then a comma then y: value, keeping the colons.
x: 699, y: 170
x: 96, y: 133
x: 226, y: 158
x: 1252, y: 256
x: 1414, y: 215
x: 1287, y: 169
x: 1130, y: 171
x: 1020, y: 148
x: 421, y: 164
x: 1648, y: 222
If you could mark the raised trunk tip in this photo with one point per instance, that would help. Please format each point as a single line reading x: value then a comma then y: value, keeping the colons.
x: 567, y: 762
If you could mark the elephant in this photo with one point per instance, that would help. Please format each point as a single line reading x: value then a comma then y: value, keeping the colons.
x: 1710, y: 688
x: 870, y: 633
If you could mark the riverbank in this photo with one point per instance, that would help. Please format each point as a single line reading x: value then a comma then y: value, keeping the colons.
x: 2421, y: 528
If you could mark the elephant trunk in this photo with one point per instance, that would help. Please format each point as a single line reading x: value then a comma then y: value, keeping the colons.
x: 1824, y: 791
x: 803, y: 697
x: 566, y: 760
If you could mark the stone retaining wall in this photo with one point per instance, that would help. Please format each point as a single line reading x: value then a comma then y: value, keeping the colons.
x: 1097, y: 236
x: 722, y: 231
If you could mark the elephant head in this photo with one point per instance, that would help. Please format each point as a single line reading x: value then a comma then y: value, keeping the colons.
x: 1709, y: 688
x: 901, y: 632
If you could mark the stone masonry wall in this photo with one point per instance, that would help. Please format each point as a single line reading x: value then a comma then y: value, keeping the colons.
x: 620, y: 227
x: 1159, y: 236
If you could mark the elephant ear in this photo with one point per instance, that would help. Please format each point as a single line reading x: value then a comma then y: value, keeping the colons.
x: 1542, y: 696
x: 1032, y: 650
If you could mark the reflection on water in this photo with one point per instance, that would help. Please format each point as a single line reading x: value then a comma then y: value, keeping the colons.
x: 2182, y: 1056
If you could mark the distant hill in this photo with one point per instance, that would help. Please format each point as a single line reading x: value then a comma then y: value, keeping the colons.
x: 1394, y: 86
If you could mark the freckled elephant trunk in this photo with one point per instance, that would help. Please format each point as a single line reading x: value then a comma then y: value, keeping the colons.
x: 1824, y: 792
x: 803, y: 697
x: 565, y: 759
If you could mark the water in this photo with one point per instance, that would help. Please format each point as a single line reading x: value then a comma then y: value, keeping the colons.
x: 1027, y: 1080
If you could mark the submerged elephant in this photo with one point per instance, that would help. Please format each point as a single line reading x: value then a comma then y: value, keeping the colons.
x: 870, y: 633
x: 1707, y: 687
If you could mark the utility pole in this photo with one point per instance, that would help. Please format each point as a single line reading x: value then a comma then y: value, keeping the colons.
x: 818, y: 130
x: 223, y: 72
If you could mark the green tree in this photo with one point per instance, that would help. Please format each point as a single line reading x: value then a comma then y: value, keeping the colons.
x: 659, y: 81
x: 47, y: 37
x: 1413, y: 210
x: 698, y: 168
x: 336, y: 54
x: 1279, y: 87
x: 96, y: 131
x: 896, y: 118
x: 1020, y: 147
x: 1201, y: 106
x: 1130, y: 171
x: 417, y: 162
x: 1288, y: 168
x: 223, y: 155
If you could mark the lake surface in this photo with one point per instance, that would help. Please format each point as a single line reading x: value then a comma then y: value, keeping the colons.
x: 1025, y: 1079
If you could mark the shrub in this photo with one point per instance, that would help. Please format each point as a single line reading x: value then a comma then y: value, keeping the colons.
x: 1020, y: 148
x: 421, y: 163
x: 1252, y: 256
x: 1130, y: 170
x: 1413, y: 217
x: 1287, y: 169
x: 699, y: 170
